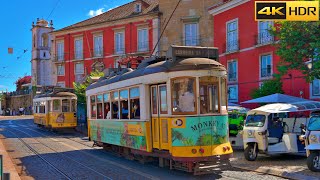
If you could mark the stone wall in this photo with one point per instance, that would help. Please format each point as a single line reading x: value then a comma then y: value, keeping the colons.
x: 14, y: 102
x: 188, y: 11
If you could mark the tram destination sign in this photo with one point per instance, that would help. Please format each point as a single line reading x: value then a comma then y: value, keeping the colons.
x: 177, y: 52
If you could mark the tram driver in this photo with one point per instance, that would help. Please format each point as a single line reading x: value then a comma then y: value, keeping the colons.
x: 186, y: 96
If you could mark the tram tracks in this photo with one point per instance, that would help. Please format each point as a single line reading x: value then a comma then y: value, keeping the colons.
x: 135, y: 171
x: 40, y: 156
x: 48, y: 162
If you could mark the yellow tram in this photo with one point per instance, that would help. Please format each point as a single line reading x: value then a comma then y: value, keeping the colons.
x: 173, y: 110
x: 55, y: 110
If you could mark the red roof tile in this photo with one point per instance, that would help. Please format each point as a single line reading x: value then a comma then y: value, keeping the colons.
x: 121, y: 12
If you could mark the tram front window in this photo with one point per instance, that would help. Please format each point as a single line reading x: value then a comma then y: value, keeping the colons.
x: 255, y: 120
x: 183, y: 96
x: 209, y: 95
x: 65, y: 105
x: 314, y: 123
x: 56, y: 105
x: 73, y: 105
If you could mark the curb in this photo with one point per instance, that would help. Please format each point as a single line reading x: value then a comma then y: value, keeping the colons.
x: 8, y: 165
x: 284, y: 174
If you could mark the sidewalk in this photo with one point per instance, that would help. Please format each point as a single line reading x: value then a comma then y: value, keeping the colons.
x: 16, y: 117
x: 8, y: 165
x: 287, y: 166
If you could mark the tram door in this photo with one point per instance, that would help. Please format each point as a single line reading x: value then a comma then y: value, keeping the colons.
x: 159, y: 110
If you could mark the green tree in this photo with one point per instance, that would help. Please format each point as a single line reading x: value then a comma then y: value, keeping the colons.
x: 268, y: 87
x: 297, y: 43
x: 80, y: 88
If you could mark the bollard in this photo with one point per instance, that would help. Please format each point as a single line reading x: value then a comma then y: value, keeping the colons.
x: 6, y: 176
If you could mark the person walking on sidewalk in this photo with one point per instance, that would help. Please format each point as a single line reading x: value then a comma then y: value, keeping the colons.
x: 21, y: 110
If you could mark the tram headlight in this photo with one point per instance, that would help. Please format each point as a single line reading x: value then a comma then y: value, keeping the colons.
x: 313, y: 139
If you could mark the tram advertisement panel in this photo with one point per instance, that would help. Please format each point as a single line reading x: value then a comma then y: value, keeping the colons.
x: 128, y: 134
x: 200, y: 131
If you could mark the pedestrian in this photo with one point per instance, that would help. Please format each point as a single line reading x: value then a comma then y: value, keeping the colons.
x: 21, y: 110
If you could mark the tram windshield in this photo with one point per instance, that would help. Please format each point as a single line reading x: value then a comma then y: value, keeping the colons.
x: 314, y: 123
x: 255, y: 120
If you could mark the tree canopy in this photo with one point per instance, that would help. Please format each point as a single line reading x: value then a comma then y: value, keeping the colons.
x: 80, y: 88
x: 298, y: 44
x: 268, y: 87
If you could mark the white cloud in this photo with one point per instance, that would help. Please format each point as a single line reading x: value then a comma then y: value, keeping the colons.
x: 93, y: 13
x: 112, y: 8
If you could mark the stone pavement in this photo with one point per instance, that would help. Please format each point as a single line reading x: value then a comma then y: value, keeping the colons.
x: 287, y: 166
x: 16, y: 117
x: 8, y: 165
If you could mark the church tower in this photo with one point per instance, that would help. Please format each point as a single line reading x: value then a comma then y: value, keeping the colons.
x: 41, y: 45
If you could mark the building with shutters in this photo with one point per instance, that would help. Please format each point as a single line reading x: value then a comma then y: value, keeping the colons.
x: 246, y: 49
x: 100, y: 42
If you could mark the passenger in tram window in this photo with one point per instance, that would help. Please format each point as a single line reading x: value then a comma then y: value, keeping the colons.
x: 186, y: 96
x: 107, y: 111
x: 115, y: 110
x: 124, y: 110
x: 136, y: 110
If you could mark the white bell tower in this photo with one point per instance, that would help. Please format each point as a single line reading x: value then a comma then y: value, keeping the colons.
x: 41, y: 55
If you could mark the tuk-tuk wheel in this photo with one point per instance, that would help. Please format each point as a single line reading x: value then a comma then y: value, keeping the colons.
x: 250, y: 154
x: 313, y: 161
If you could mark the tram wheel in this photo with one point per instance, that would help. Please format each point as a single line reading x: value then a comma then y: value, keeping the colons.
x: 249, y: 153
x: 313, y: 161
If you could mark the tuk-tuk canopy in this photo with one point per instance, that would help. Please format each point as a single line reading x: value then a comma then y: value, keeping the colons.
x: 276, y: 98
x: 288, y: 107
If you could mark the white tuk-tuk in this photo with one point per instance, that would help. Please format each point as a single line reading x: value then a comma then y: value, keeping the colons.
x: 267, y: 130
x: 312, y: 140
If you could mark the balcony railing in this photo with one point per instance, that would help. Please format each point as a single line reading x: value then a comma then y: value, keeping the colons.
x: 266, y: 72
x: 143, y: 46
x: 98, y: 52
x: 78, y: 55
x: 119, y: 50
x: 232, y: 46
x: 59, y: 58
x: 232, y: 76
x: 192, y: 41
x: 264, y: 38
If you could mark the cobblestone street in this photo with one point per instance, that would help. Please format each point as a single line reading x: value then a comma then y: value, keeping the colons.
x: 41, y: 154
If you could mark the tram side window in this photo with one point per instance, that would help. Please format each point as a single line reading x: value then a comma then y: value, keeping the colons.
x: 224, y: 93
x: 65, y: 105
x: 209, y: 95
x: 154, y: 100
x: 183, y: 96
x: 107, y: 109
x: 99, y: 106
x: 93, y: 107
x: 56, y: 105
x: 124, y: 107
x: 163, y: 99
x: 135, y: 103
x: 49, y: 106
x: 115, y: 105
x: 73, y: 105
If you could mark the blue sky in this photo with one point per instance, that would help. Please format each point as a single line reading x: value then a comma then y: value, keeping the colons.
x: 16, y: 17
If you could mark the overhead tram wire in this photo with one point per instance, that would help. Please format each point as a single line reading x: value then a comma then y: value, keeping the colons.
x: 53, y: 9
x: 154, y: 48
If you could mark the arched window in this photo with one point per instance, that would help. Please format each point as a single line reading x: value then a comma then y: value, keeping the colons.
x: 44, y: 40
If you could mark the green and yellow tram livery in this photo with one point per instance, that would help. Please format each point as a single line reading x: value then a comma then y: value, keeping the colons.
x: 173, y: 110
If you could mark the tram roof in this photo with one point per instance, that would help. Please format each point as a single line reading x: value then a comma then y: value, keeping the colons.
x: 157, y: 65
x: 56, y: 94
